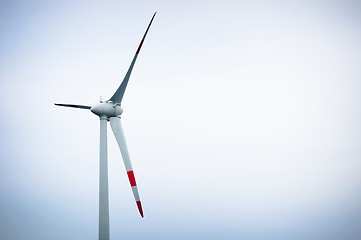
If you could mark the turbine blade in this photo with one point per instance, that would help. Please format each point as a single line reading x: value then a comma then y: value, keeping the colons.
x: 103, y: 182
x: 119, y: 135
x: 118, y: 95
x: 72, y: 105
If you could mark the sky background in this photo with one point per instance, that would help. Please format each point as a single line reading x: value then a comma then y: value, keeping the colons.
x: 242, y: 119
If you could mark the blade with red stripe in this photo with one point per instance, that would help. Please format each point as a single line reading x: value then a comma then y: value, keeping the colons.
x: 119, y: 135
x: 133, y: 184
x: 118, y: 95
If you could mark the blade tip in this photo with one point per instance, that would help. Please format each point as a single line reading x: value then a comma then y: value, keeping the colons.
x: 140, y: 209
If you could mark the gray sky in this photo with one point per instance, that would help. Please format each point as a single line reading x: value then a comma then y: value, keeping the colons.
x: 242, y: 119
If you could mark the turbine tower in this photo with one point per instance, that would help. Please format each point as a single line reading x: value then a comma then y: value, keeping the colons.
x: 110, y: 111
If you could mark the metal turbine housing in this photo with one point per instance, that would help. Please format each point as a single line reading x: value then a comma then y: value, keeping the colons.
x: 107, y: 109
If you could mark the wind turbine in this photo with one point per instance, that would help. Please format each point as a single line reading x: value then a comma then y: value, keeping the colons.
x: 110, y: 111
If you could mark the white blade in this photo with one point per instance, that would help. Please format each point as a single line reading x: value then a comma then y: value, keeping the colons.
x: 73, y: 105
x: 118, y: 95
x: 119, y: 135
x: 103, y: 183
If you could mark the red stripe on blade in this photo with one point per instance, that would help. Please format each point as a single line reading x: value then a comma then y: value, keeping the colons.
x: 139, y: 204
x: 131, y: 178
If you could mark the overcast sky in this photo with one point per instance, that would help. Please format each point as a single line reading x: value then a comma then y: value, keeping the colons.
x: 242, y: 118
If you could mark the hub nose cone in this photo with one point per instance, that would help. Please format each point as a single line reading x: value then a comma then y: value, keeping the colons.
x: 96, y: 110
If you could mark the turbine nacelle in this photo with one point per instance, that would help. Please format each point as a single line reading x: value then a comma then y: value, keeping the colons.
x: 107, y: 109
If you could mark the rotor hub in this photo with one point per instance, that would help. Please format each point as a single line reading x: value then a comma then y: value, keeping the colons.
x: 107, y: 109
